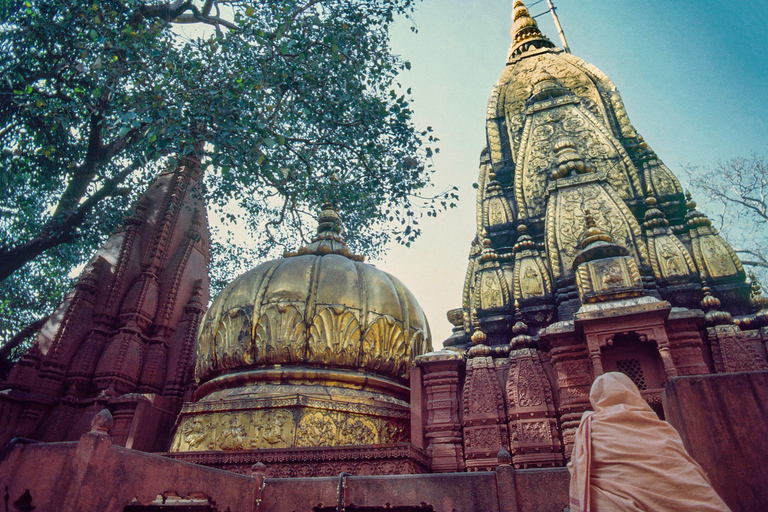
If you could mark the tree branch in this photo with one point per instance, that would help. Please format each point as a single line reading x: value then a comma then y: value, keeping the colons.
x: 12, y: 259
x: 19, y: 337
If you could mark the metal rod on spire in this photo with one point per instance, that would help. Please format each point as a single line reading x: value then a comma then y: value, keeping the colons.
x: 560, y: 32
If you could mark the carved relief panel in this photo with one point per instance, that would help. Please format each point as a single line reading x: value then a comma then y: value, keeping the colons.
x: 533, y: 431
x: 285, y: 428
x: 484, y: 416
x: 593, y: 143
x: 568, y: 201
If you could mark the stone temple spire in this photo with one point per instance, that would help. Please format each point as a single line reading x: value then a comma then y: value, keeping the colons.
x: 525, y: 32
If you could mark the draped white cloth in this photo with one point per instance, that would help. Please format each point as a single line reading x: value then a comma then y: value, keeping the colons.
x: 626, y: 459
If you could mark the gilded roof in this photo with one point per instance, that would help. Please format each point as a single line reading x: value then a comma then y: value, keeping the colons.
x: 321, y: 306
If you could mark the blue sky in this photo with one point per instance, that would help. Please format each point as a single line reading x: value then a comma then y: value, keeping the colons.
x: 693, y: 76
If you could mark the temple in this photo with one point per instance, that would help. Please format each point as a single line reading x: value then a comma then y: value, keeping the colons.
x: 315, y: 385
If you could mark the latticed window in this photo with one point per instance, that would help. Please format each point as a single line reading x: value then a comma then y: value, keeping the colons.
x: 632, y: 369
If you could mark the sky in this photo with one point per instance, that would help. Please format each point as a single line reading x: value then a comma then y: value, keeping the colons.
x: 693, y: 76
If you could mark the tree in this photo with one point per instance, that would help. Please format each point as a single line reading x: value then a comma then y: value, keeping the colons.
x: 287, y: 103
x: 737, y: 191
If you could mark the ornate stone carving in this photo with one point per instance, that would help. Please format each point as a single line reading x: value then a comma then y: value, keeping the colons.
x: 484, y: 417
x: 733, y: 350
x: 316, y: 462
x: 533, y: 430
x: 566, y: 222
x: 443, y: 429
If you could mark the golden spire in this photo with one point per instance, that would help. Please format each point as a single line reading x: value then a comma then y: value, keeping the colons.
x: 525, y: 32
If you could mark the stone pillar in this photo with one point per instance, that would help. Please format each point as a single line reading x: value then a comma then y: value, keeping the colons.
x: 485, y: 429
x: 573, y: 370
x: 533, y: 429
x: 442, y: 373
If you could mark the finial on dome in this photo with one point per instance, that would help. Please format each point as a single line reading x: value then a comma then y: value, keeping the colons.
x: 694, y: 218
x: 711, y: 305
x: 593, y: 233
x: 329, y: 223
x: 328, y: 239
x: 654, y: 217
x: 525, y: 32
x: 488, y: 253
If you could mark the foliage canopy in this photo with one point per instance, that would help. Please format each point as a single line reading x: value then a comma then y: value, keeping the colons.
x: 288, y: 103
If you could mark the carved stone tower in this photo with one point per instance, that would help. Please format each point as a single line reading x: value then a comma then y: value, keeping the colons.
x: 588, y: 258
x: 125, y: 337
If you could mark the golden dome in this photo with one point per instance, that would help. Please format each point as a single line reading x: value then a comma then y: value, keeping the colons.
x: 322, y: 307
x: 309, y: 350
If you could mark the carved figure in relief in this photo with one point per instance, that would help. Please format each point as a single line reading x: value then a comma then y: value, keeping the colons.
x: 273, y: 427
x: 531, y: 284
x: 491, y: 297
x: 234, y: 436
x: 612, y: 276
x: 672, y: 259
x: 720, y: 264
x: 195, y: 431
x: 316, y: 429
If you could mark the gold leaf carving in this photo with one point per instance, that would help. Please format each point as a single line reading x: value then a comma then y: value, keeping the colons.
x: 232, y: 342
x: 490, y: 291
x: 716, y: 258
x: 233, y: 434
x: 496, y: 213
x: 592, y: 141
x: 357, y: 431
x: 334, y: 337
x: 531, y: 279
x: 670, y: 259
x: 276, y: 429
x: 193, y: 434
x: 384, y: 348
x: 280, y: 335
x: 566, y: 223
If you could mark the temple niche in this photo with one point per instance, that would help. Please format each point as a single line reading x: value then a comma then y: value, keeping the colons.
x: 312, y: 379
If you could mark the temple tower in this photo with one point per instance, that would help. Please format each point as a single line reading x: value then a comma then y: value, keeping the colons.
x: 124, y: 338
x: 588, y: 258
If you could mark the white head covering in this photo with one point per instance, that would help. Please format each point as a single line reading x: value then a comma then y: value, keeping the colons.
x: 625, y: 458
